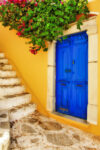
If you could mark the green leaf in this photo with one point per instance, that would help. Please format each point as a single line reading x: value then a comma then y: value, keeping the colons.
x: 44, y: 22
x: 45, y: 49
x: 61, y: 20
x: 65, y: 37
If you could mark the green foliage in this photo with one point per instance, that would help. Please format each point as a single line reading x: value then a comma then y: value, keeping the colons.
x: 42, y: 21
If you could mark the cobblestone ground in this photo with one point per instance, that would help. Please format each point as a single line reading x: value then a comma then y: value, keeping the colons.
x: 37, y: 132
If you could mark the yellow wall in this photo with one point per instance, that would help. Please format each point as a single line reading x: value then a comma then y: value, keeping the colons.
x: 33, y: 69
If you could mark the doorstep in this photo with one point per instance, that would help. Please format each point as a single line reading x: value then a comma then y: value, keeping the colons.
x: 72, y: 118
x: 71, y: 121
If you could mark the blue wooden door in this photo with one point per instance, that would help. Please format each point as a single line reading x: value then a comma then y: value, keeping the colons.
x: 72, y: 75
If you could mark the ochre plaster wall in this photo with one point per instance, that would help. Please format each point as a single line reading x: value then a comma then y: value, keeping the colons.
x: 33, y: 69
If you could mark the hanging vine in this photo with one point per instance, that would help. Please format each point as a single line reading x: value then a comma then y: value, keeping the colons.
x: 42, y: 21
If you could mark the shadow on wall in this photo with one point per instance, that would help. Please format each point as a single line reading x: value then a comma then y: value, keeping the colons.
x: 32, y: 68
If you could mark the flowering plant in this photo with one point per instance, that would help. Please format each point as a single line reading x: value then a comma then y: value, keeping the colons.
x: 42, y: 21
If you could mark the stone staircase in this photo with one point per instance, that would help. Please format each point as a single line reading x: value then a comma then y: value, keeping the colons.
x: 15, y: 102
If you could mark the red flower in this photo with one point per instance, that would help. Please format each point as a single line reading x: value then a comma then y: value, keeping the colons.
x: 19, y: 1
x: 61, y: 2
x: 24, y: 1
x: 36, y: 4
x: 23, y: 5
x: 33, y: 51
x: 20, y: 26
x: 8, y: 10
x: 15, y: 1
x: 30, y: 21
x: 19, y: 33
x: 23, y: 30
x: 23, y: 24
x: 10, y: 1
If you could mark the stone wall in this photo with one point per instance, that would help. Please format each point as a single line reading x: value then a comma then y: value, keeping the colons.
x: 4, y: 131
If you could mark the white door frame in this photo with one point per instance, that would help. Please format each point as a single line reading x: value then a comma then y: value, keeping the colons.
x: 90, y: 26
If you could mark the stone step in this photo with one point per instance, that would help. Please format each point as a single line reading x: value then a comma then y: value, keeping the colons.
x: 9, y: 102
x: 4, y: 139
x: 5, y: 67
x: 3, y: 61
x: 4, y: 131
x: 4, y: 116
x: 7, y: 73
x: 11, y: 90
x: 2, y: 55
x: 21, y: 112
x: 9, y: 81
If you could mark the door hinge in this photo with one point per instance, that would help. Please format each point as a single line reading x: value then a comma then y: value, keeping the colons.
x: 63, y: 109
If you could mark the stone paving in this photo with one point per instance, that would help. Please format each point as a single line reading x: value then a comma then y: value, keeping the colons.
x: 37, y: 132
x: 34, y: 132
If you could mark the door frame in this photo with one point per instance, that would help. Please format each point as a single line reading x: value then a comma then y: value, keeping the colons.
x: 90, y: 26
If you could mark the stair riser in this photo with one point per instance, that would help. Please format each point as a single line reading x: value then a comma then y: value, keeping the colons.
x: 5, y: 140
x: 23, y: 112
x: 6, y: 67
x: 12, y: 90
x: 2, y: 55
x: 10, y: 103
x: 4, y: 116
x: 12, y: 81
x: 4, y: 61
x: 7, y: 74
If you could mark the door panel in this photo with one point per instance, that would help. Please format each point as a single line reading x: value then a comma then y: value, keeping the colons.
x: 72, y: 75
x: 63, y: 93
x: 79, y: 100
x: 64, y: 63
x: 80, y: 58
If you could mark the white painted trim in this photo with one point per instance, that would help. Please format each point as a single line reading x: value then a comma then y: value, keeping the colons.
x: 90, y: 0
x: 90, y: 26
x: 94, y: 12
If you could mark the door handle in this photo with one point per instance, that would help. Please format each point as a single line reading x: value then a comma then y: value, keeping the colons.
x: 63, y: 109
x: 80, y: 85
x: 62, y: 80
x: 64, y: 84
x: 67, y: 70
x: 73, y: 62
